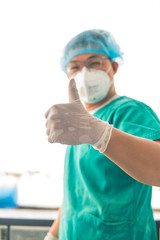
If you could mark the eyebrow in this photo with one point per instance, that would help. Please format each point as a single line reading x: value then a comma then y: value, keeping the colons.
x: 93, y: 56
x: 74, y: 61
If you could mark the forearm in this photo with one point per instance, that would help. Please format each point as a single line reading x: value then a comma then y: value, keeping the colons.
x: 55, y: 226
x: 138, y: 157
x: 54, y: 230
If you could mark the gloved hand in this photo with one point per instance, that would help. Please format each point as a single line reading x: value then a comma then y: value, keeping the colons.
x: 49, y: 236
x: 71, y: 124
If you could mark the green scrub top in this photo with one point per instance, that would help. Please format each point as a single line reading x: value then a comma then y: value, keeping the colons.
x: 101, y: 201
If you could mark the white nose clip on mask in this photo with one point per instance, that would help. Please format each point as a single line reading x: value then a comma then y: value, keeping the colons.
x: 93, y: 85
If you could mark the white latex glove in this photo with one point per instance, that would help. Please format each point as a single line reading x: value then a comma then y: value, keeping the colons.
x: 71, y: 124
x: 49, y: 236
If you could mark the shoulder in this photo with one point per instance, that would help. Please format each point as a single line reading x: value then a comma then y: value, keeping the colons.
x: 137, y: 118
x: 124, y: 101
x: 127, y: 109
x: 129, y: 105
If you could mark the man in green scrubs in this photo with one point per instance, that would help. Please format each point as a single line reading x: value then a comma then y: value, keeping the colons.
x: 113, y: 153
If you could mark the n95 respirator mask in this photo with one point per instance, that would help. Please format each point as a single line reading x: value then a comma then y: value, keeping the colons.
x: 93, y: 85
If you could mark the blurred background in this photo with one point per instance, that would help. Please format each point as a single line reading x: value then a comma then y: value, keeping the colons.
x: 32, y: 36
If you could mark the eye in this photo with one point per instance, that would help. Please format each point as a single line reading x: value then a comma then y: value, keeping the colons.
x: 75, y: 67
x: 95, y: 63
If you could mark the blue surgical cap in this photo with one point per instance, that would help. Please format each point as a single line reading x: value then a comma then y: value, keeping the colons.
x: 92, y: 41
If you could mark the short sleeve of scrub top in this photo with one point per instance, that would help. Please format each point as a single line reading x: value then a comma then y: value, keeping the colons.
x: 101, y: 201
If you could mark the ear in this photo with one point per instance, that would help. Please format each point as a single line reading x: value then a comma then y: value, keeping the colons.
x: 115, y: 67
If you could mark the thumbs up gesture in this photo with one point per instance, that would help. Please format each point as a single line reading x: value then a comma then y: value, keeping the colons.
x: 71, y: 124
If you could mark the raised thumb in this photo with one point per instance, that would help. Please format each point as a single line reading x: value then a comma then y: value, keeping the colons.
x: 73, y: 92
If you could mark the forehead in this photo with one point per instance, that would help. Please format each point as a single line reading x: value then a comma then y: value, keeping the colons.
x: 85, y: 56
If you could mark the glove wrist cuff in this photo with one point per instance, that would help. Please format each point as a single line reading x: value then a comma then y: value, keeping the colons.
x: 102, y: 143
x: 49, y: 236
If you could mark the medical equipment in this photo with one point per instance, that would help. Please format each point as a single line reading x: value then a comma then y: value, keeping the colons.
x: 93, y: 85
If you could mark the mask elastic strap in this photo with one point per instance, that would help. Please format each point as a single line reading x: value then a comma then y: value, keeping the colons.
x: 108, y: 69
x: 111, y: 81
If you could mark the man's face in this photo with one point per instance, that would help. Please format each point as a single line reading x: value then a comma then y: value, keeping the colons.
x: 91, y: 60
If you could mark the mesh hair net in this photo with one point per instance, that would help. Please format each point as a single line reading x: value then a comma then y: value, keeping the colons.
x: 92, y: 41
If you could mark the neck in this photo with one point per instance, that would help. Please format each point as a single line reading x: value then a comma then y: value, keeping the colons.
x: 92, y: 106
